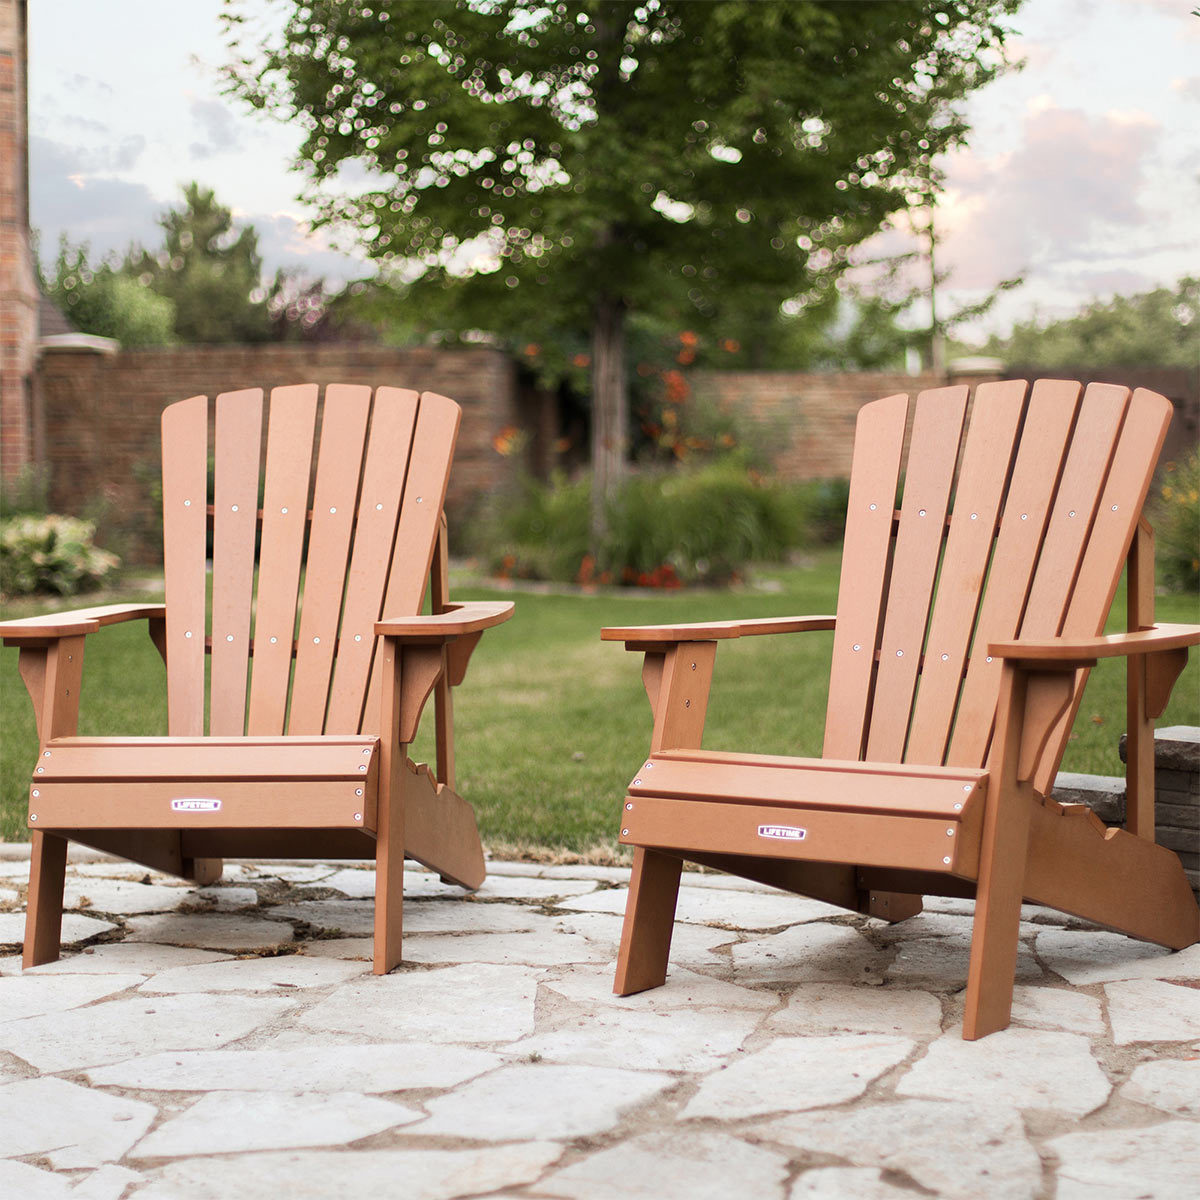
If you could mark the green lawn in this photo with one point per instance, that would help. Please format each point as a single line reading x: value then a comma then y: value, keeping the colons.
x: 551, y: 722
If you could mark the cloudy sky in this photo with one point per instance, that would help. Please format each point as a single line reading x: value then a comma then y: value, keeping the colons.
x: 1083, y: 169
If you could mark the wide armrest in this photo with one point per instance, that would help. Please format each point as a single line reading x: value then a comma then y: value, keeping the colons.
x: 1066, y: 651
x: 472, y: 617
x: 77, y: 622
x: 713, y: 630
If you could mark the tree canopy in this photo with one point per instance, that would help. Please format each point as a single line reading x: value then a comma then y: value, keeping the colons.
x: 1155, y: 328
x: 210, y: 271
x: 574, y: 161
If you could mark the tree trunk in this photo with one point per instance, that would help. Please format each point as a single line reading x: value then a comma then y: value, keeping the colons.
x: 610, y: 409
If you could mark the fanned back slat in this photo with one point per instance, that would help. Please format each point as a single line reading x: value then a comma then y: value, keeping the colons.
x: 1051, y: 413
x: 1092, y: 446
x: 393, y: 416
x: 185, y: 536
x: 420, y: 511
x: 235, y: 525
x: 987, y: 455
x: 1125, y: 489
x: 291, y: 422
x: 339, y: 462
x: 933, y: 453
x: 878, y: 445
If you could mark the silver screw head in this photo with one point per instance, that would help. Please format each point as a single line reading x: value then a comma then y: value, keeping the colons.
x: 358, y: 816
x: 362, y: 766
x: 687, y: 704
x: 358, y: 791
x: 229, y: 637
x: 899, y: 653
x: 41, y: 770
x: 36, y: 793
x: 46, y: 754
x: 967, y: 787
x: 628, y: 807
x: 949, y: 832
x: 921, y: 512
x: 946, y: 861
x: 33, y: 816
x: 358, y: 637
x: 958, y: 807
x: 274, y: 640
x: 233, y: 508
x: 636, y: 782
x: 857, y: 646
x: 624, y: 832
x: 872, y: 507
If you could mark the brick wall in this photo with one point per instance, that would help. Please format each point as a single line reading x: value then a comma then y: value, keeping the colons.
x: 101, y: 414
x: 18, y: 292
x: 808, y: 419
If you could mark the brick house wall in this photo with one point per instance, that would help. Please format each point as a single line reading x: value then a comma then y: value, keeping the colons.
x: 101, y: 415
x: 18, y: 289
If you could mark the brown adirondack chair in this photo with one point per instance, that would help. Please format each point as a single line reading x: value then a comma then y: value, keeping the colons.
x: 966, y: 625
x: 305, y: 755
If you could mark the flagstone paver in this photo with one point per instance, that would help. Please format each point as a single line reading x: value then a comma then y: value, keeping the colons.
x: 1172, y: 1085
x: 233, y: 1122
x: 70, y: 1126
x: 232, y: 1041
x: 471, y: 1003
x: 814, y: 1008
x: 1159, y: 1161
x: 541, y: 1100
x: 104, y: 1033
x: 1056, y: 1008
x: 837, y: 1183
x: 75, y: 928
x: 122, y: 958
x: 698, y: 1164
x: 1097, y: 956
x: 954, y: 1150
x: 1149, y: 1010
x: 363, y: 1068
x: 36, y: 995
x: 212, y: 931
x: 806, y: 953
x: 252, y: 975
x: 797, y: 1073
x: 413, y: 1174
x: 1023, y: 1068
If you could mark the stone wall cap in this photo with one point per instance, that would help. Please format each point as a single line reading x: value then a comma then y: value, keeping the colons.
x: 79, y: 343
x: 1176, y: 747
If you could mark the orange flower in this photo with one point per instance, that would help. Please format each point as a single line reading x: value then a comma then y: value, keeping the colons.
x: 678, y: 389
x: 731, y: 345
x: 532, y: 350
x: 688, y: 338
x: 686, y: 357
x: 505, y: 441
x: 582, y: 360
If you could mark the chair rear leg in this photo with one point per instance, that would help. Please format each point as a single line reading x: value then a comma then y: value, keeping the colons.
x: 43, y: 916
x: 649, y: 920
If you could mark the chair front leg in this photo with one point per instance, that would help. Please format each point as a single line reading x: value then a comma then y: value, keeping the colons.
x: 677, y: 681
x: 52, y: 675
x: 1002, y: 861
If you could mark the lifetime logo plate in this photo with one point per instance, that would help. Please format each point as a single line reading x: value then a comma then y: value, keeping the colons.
x: 196, y: 806
x: 783, y: 833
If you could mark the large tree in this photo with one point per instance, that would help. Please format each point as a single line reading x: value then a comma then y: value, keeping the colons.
x: 586, y: 158
x: 208, y: 269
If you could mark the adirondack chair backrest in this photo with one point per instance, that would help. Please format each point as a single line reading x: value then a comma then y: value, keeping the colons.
x: 1019, y: 528
x: 345, y: 534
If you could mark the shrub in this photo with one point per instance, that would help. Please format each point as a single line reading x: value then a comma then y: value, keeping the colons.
x: 51, y: 554
x: 1175, y: 514
x: 665, y: 528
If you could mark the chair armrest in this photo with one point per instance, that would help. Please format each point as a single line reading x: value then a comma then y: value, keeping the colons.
x: 1069, y: 652
x: 634, y: 635
x: 460, y: 619
x: 76, y: 623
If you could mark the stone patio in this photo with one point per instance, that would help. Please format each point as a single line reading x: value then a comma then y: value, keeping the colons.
x: 230, y: 1041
